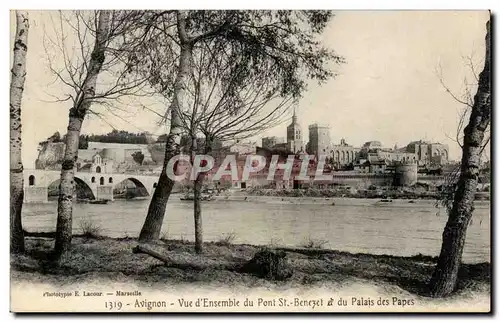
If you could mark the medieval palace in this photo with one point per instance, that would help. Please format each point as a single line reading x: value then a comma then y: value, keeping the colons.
x: 372, y: 157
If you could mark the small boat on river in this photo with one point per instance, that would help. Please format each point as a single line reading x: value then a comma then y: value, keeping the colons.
x: 98, y: 202
x: 190, y: 196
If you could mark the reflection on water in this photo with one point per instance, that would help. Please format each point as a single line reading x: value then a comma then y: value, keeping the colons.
x: 353, y: 225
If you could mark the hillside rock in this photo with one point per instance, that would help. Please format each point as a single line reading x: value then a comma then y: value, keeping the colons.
x: 157, y: 151
x: 50, y: 156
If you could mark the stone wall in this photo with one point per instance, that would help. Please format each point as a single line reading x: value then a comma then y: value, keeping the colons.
x: 104, y: 192
x: 35, y: 194
x: 359, y: 181
x: 50, y: 155
x: 319, y: 139
x: 343, y: 154
x: 405, y: 175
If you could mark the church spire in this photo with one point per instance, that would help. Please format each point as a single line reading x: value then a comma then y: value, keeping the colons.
x: 294, y: 117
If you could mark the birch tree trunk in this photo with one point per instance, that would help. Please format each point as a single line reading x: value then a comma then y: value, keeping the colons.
x: 76, y: 116
x: 156, y: 212
x: 198, y: 223
x: 18, y: 76
x: 444, y: 279
x: 198, y: 185
x: 198, y: 182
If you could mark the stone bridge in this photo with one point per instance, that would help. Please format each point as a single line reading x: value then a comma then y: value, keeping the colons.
x: 101, y: 185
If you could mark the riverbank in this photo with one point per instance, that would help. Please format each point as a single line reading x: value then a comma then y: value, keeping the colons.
x: 375, y: 193
x: 333, y: 200
x: 111, y: 261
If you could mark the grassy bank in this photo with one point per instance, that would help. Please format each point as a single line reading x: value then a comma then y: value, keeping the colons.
x: 112, y: 259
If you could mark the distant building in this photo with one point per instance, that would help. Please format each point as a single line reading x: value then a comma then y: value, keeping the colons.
x: 269, y: 142
x: 369, y: 146
x: 98, y: 164
x: 371, y: 157
x: 379, y: 166
x: 294, y: 138
x: 243, y: 147
x: 283, y: 147
x: 362, y: 166
x: 319, y: 139
x: 391, y: 156
x: 374, y: 151
x: 429, y: 153
x: 343, y: 154
x: 119, y: 152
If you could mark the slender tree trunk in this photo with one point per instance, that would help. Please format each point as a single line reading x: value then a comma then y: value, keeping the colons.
x: 198, y: 224
x: 198, y: 186
x: 444, y: 279
x: 156, y: 212
x: 18, y: 76
x: 76, y: 116
x: 198, y: 182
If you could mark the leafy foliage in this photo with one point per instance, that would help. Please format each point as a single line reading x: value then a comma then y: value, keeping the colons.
x: 162, y: 138
x: 83, y: 142
x: 276, y: 51
x: 56, y: 138
x: 114, y: 136
x: 138, y: 157
x: 275, y: 44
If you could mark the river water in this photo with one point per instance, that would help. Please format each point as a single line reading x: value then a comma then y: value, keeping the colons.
x: 353, y: 225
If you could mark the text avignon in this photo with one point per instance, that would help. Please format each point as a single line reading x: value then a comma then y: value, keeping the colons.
x: 150, y: 304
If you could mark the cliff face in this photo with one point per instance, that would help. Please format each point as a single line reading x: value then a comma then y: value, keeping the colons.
x: 50, y: 156
x: 157, y: 151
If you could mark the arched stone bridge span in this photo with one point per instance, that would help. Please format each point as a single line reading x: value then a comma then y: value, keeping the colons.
x: 36, y: 183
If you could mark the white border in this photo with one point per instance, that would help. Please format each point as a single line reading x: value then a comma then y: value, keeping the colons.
x: 189, y: 4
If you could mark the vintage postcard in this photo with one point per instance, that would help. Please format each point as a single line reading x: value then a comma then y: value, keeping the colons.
x: 250, y: 161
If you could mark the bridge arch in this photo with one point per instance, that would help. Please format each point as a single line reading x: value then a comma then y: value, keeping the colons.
x: 122, y: 189
x: 83, y: 190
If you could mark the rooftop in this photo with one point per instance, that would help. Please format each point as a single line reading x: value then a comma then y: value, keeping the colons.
x: 372, y: 144
x: 318, y: 125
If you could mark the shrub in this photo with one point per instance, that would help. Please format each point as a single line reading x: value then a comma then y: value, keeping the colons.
x: 226, y: 239
x: 274, y: 242
x: 90, y: 229
x: 164, y: 236
x: 313, y: 243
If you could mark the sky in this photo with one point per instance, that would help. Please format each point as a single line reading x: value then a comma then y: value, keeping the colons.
x: 389, y: 89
